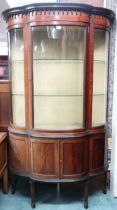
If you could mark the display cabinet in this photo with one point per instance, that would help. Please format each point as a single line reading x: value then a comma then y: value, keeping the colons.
x: 4, y: 94
x: 58, y: 58
x: 4, y: 73
x: 3, y: 161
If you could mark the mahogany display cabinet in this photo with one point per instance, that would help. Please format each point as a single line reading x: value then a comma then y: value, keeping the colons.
x: 3, y: 161
x: 4, y: 73
x: 4, y: 94
x: 58, y: 59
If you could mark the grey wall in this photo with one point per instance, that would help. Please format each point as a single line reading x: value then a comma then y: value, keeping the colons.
x: 3, y: 31
x: 111, y: 70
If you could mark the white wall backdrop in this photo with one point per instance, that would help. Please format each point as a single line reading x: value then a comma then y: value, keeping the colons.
x: 3, y: 31
x: 114, y: 107
x: 15, y: 3
x: 112, y: 103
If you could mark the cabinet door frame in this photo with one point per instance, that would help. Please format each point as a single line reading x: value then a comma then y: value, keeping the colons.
x: 58, y: 133
x: 101, y: 142
x: 25, y: 167
x: 12, y: 125
x: 84, y: 143
x: 42, y: 176
x: 101, y: 25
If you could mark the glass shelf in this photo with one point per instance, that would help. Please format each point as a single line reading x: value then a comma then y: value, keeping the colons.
x: 39, y: 60
x: 58, y: 126
x: 57, y: 60
x: 56, y: 95
x: 99, y: 61
x: 16, y: 61
x: 47, y: 59
x: 17, y: 94
x: 98, y: 94
x: 65, y: 95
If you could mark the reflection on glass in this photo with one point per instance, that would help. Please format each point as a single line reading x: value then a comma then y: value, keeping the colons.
x: 100, y: 77
x: 17, y: 77
x: 58, y: 76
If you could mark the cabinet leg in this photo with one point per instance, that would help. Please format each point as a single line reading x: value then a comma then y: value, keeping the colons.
x: 58, y: 187
x: 5, y: 181
x: 86, y: 194
x: 32, y: 192
x: 13, y: 184
x: 105, y: 182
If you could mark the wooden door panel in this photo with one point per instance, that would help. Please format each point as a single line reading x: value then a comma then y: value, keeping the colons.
x: 97, y: 144
x: 18, y: 154
x: 4, y: 104
x: 4, y: 109
x: 3, y: 156
x: 44, y: 158
x: 74, y: 158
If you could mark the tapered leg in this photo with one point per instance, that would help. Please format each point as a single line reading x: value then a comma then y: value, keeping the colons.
x: 13, y: 184
x: 105, y: 183
x: 86, y: 194
x: 32, y: 192
x: 58, y: 187
x: 5, y: 181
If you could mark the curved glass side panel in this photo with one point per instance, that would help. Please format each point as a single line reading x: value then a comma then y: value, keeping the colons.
x: 58, y: 77
x: 100, y: 71
x: 17, y: 76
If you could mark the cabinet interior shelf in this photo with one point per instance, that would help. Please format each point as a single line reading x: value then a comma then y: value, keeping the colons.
x: 49, y: 95
x: 58, y: 126
x: 17, y: 94
x: 59, y: 60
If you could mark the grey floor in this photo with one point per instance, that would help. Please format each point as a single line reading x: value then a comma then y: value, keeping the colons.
x: 70, y: 197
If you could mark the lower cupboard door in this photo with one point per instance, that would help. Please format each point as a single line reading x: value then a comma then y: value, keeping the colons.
x: 74, y: 158
x: 18, y: 154
x: 97, y: 147
x: 44, y: 159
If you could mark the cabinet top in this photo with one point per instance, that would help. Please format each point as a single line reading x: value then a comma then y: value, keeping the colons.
x: 59, y: 7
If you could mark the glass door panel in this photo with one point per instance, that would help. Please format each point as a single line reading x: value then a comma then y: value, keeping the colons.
x: 17, y: 76
x: 58, y: 77
x: 100, y: 77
